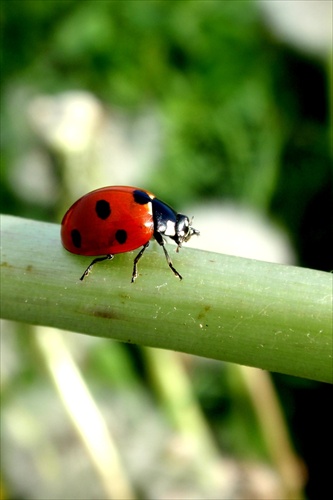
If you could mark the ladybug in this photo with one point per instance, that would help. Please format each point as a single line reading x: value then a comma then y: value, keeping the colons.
x: 118, y: 219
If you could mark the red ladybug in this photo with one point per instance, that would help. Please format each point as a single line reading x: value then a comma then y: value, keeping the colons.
x: 118, y: 219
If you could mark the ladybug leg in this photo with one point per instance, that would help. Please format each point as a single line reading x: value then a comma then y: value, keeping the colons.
x: 160, y: 240
x: 98, y: 259
x: 175, y: 272
x: 136, y: 260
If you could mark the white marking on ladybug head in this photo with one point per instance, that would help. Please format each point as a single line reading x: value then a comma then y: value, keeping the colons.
x: 169, y: 228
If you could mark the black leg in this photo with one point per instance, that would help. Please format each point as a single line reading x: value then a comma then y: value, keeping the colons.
x: 136, y: 260
x: 175, y: 272
x: 160, y: 241
x: 98, y: 259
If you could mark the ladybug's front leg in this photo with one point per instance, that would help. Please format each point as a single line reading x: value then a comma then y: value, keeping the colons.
x: 160, y: 240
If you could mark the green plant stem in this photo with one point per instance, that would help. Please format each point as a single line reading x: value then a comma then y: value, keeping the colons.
x: 275, y: 317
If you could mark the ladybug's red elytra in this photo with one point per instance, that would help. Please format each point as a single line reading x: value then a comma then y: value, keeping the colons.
x: 118, y: 219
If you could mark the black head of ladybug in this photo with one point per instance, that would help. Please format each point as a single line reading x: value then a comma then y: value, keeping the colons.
x: 183, y: 230
x: 167, y: 222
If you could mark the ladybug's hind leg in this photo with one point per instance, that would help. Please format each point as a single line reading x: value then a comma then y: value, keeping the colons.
x: 98, y: 259
x: 136, y: 260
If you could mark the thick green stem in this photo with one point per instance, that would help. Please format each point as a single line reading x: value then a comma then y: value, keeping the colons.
x: 254, y: 313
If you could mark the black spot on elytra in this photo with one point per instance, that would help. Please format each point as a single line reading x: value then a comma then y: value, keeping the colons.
x: 121, y: 236
x: 76, y: 238
x: 141, y: 197
x: 103, y: 209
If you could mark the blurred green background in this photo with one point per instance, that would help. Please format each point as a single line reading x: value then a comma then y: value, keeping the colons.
x: 199, y: 102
